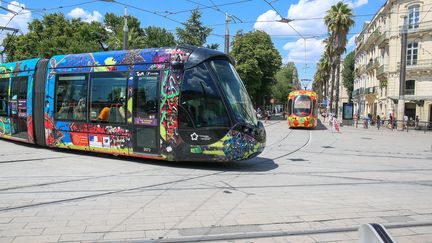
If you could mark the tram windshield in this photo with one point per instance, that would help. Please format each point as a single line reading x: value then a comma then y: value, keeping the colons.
x: 302, y: 105
x: 235, y: 91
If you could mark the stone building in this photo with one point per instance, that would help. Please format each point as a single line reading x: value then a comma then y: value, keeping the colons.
x: 378, y: 57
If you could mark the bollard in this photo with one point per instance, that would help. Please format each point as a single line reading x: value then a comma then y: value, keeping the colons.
x: 374, y: 233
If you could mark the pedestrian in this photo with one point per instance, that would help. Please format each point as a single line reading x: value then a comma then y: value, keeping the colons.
x: 417, y: 120
x: 378, y: 121
x: 405, y: 122
x: 355, y: 120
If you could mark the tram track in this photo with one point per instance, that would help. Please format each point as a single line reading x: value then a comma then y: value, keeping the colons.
x: 275, y: 234
x: 427, y: 183
x: 297, y: 149
x: 131, y: 189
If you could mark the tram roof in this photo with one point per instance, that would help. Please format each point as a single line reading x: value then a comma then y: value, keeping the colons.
x: 189, y: 55
x: 19, y: 66
x: 302, y: 92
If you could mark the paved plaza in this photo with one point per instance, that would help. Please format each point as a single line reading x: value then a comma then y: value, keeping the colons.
x: 307, y: 186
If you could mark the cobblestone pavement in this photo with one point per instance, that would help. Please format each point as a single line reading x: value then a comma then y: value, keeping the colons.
x: 307, y: 186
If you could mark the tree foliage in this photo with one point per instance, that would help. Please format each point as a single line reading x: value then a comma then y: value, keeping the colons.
x: 339, y: 20
x: 53, y: 35
x: 138, y: 37
x: 257, y: 62
x: 194, y: 32
x: 158, y: 37
x: 348, y: 73
x: 286, y: 81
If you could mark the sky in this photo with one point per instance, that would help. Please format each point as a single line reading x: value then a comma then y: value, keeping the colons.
x: 299, y: 42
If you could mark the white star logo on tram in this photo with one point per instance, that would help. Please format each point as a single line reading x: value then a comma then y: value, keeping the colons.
x: 194, y: 136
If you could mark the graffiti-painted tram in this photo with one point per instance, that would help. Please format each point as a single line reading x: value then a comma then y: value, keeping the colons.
x: 302, y: 109
x: 182, y: 103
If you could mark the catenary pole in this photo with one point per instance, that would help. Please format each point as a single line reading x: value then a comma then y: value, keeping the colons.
x: 226, y: 33
x: 125, y: 31
x: 402, y: 76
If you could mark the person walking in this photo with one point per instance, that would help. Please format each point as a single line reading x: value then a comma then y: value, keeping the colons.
x: 405, y: 122
x: 378, y: 122
x: 417, y: 120
x: 355, y: 120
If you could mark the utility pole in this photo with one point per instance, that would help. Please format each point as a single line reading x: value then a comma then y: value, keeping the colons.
x: 402, y: 76
x: 14, y: 31
x: 125, y: 31
x: 226, y: 33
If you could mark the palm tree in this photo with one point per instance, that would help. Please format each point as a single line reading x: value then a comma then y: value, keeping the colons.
x: 330, y: 59
x: 339, y: 20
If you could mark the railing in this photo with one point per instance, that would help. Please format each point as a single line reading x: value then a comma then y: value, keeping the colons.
x: 371, y: 90
x: 372, y: 65
x: 358, y: 91
x: 371, y: 40
x: 419, y: 27
x: 409, y: 91
x: 409, y: 125
x: 382, y: 38
x: 360, y: 70
x: 418, y: 64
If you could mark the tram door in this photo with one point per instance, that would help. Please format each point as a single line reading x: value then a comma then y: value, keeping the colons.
x: 18, y: 106
x: 146, y: 112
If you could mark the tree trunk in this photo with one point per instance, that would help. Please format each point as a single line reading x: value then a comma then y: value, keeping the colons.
x: 325, y: 83
x: 337, y: 85
x: 332, y: 86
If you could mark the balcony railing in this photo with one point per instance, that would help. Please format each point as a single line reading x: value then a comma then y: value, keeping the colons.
x: 419, y: 64
x: 409, y: 91
x: 372, y: 65
x: 371, y: 90
x: 382, y: 69
x: 425, y: 26
x: 358, y: 91
x: 383, y: 39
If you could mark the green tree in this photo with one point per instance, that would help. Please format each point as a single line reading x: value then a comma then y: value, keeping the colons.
x: 257, y: 62
x: 114, y: 23
x: 194, y: 32
x: 339, y: 20
x: 158, y: 37
x: 348, y: 73
x: 53, y: 35
x: 286, y: 81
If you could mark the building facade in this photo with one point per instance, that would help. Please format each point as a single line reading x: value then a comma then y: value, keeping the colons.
x: 378, y: 58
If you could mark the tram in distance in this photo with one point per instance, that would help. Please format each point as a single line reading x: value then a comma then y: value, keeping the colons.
x: 181, y: 104
x: 302, y: 109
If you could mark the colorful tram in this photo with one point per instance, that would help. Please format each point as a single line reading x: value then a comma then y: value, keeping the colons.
x: 180, y: 104
x: 302, y: 109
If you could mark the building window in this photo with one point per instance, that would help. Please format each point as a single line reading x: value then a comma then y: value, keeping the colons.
x: 412, y: 51
x: 4, y: 90
x: 414, y: 17
x: 409, y: 87
x: 71, y: 97
x: 108, y: 97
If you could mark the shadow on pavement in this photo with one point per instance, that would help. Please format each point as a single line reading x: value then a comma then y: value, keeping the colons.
x: 255, y: 164
x: 320, y: 126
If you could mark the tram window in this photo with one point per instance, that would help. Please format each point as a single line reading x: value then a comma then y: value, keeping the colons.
x: 302, y: 105
x: 4, y: 88
x: 22, y: 89
x: 290, y: 101
x: 200, y: 103
x: 71, y: 97
x: 147, y: 98
x: 235, y: 91
x: 108, y: 97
